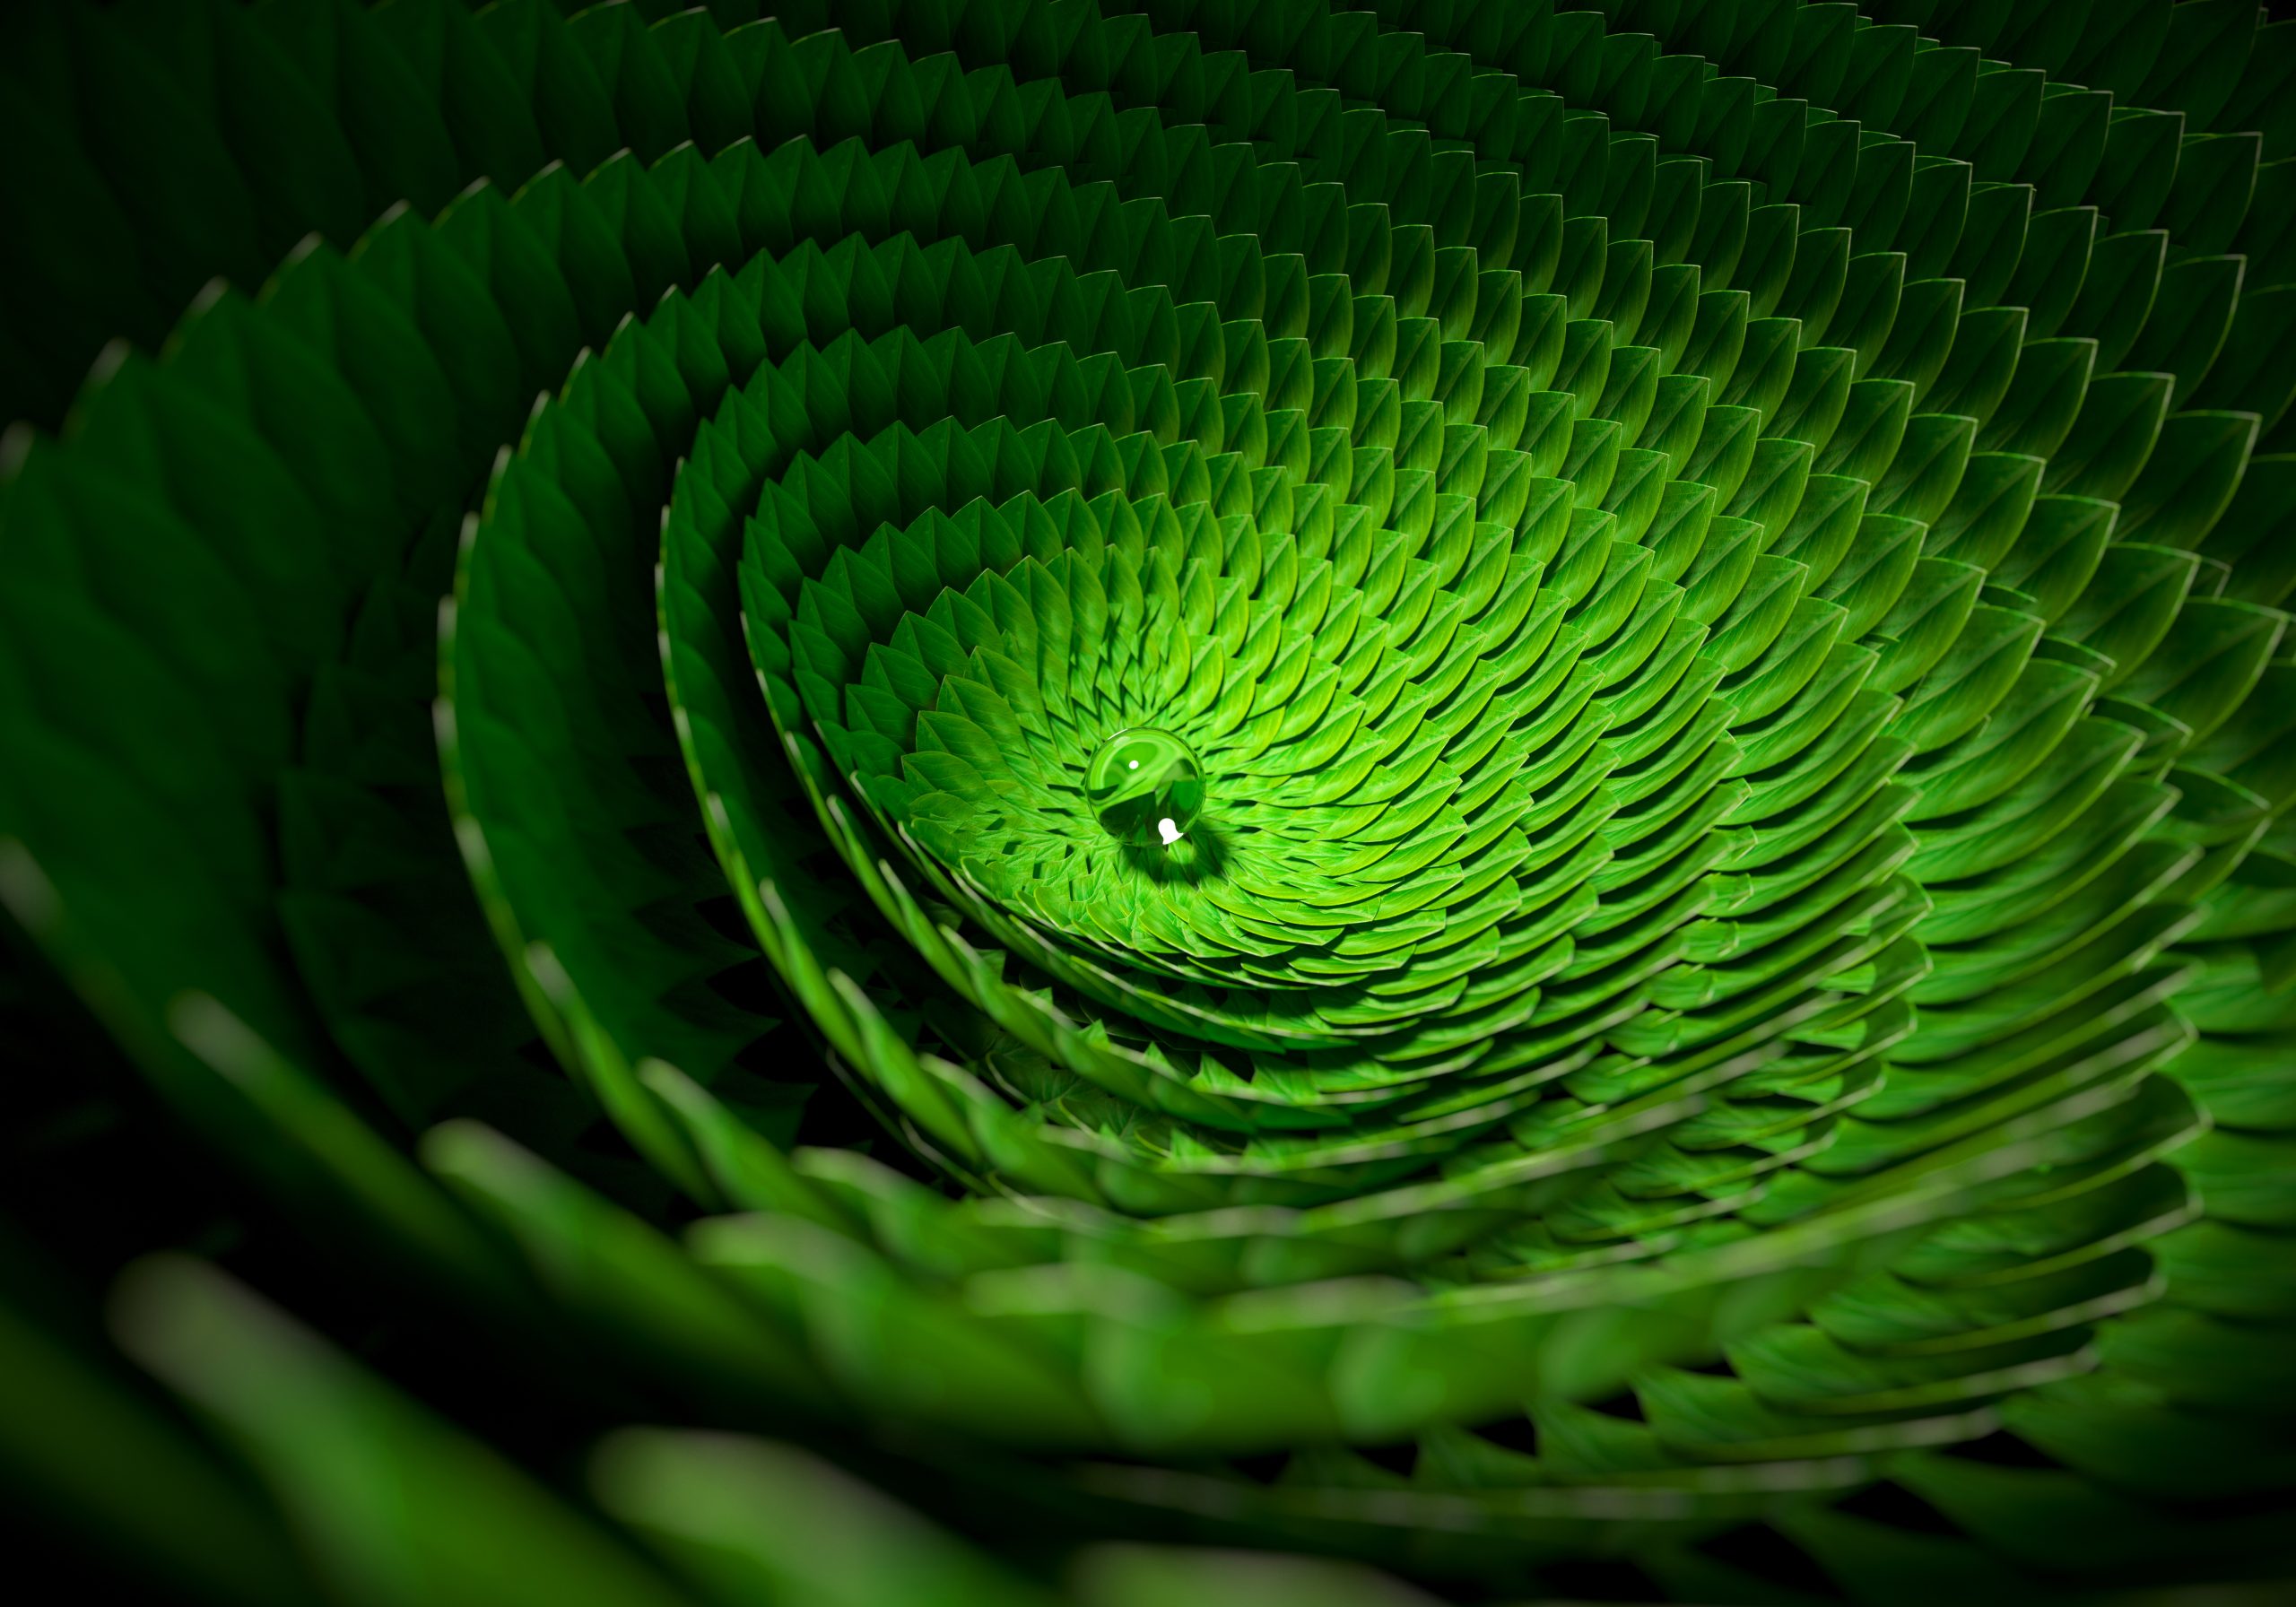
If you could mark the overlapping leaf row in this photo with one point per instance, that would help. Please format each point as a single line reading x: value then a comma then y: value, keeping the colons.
x: 1738, y: 656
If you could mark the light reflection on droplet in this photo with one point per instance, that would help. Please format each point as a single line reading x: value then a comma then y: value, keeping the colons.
x: 1145, y: 786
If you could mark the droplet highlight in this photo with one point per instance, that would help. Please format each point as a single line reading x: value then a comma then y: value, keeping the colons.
x: 1145, y: 786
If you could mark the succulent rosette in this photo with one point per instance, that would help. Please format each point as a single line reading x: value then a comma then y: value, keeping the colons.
x: 1499, y: 788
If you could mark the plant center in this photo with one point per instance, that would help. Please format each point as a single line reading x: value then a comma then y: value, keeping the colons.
x: 1145, y: 785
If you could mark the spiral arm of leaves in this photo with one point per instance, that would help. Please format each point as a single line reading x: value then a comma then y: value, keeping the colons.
x: 1723, y: 1032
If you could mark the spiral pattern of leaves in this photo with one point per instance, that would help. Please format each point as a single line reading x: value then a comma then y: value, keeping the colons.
x: 1713, y: 1021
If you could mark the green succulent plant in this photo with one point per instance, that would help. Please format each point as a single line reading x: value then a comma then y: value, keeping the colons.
x: 1495, y: 788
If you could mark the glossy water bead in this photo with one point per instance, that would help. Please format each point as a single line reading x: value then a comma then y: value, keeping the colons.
x: 1145, y: 785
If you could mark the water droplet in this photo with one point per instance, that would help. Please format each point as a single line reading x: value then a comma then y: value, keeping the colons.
x: 1145, y: 785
